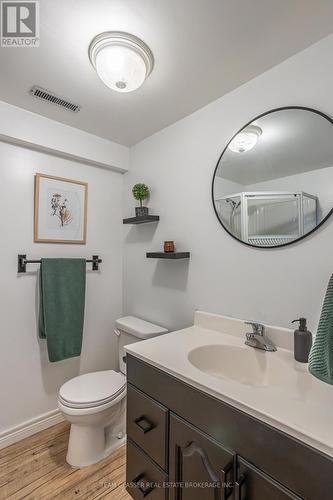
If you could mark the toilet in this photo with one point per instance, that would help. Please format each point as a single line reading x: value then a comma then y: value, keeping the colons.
x: 95, y: 403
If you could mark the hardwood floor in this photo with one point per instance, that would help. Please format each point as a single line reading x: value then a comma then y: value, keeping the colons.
x: 36, y: 468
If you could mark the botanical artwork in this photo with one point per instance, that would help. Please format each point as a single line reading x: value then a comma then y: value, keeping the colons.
x: 60, y: 210
x: 59, y: 206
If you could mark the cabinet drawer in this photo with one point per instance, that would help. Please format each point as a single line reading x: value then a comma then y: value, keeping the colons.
x: 143, y: 477
x: 147, y: 424
x: 252, y: 484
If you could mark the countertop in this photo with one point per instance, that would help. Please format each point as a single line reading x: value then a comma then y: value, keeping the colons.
x: 293, y: 400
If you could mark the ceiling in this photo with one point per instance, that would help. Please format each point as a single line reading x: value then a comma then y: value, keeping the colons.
x: 293, y: 141
x: 202, y: 48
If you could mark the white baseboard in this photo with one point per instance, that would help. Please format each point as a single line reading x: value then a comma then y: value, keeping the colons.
x: 30, y: 427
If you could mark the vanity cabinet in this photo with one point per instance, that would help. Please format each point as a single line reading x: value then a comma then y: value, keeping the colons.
x: 183, y: 444
x: 200, y: 468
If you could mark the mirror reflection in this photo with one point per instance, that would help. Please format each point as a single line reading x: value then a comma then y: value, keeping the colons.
x: 273, y: 183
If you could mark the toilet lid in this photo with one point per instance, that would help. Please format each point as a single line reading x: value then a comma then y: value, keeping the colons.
x: 92, y: 389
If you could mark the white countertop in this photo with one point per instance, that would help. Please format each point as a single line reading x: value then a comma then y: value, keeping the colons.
x: 294, y: 402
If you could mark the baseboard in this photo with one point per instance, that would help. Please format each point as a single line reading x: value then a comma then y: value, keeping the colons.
x: 30, y: 427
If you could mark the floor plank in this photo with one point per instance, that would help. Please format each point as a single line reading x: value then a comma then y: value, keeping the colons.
x: 35, y: 441
x: 36, y: 469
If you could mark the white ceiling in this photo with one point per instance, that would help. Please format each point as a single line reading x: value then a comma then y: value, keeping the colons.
x: 293, y: 141
x: 202, y: 49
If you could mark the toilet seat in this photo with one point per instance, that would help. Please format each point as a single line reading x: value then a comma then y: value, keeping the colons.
x: 93, y: 390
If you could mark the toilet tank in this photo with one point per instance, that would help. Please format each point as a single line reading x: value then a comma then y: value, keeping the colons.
x: 130, y: 329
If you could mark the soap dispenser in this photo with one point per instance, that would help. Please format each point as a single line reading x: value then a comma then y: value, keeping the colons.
x: 302, y: 341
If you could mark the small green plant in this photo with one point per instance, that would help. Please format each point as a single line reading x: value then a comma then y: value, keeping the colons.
x: 140, y: 192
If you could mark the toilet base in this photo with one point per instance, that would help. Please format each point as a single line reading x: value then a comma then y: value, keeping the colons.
x: 87, y: 445
x: 94, y: 436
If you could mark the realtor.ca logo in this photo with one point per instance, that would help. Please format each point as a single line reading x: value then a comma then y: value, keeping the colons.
x: 19, y: 23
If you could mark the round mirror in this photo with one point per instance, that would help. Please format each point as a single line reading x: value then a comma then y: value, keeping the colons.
x: 273, y: 183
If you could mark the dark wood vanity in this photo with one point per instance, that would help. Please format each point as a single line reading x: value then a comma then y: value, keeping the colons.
x: 184, y: 444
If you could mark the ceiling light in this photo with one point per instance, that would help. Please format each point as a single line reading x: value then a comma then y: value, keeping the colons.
x: 122, y: 61
x: 246, y: 139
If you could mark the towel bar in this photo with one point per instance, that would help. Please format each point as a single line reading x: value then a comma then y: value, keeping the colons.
x: 22, y: 262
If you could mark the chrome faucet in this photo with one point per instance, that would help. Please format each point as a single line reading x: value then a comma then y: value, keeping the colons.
x: 257, y: 338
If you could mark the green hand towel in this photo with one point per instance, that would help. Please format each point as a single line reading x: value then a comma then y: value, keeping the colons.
x: 61, y: 306
x: 321, y: 355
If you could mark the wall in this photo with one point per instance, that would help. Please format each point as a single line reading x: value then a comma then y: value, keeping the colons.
x: 18, y: 126
x: 29, y: 383
x: 223, y: 276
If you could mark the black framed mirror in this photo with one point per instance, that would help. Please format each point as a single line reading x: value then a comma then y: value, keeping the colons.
x: 273, y: 183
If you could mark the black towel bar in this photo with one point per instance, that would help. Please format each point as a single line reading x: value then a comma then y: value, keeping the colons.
x: 22, y: 262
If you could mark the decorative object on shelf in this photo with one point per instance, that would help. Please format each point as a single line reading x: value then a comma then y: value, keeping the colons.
x: 60, y: 210
x: 141, y: 220
x: 140, y: 193
x: 169, y: 246
x: 168, y: 255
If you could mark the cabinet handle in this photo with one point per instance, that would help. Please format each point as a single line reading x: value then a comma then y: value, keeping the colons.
x: 143, y: 485
x: 227, y: 490
x: 193, y: 448
x: 238, y: 487
x: 144, y: 424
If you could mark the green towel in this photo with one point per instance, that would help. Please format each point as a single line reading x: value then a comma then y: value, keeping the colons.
x: 321, y: 355
x: 61, y: 306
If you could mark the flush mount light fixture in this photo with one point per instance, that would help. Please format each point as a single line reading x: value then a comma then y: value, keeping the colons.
x: 122, y: 61
x: 246, y: 139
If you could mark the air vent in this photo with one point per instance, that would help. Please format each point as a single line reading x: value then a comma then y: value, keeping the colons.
x: 46, y: 95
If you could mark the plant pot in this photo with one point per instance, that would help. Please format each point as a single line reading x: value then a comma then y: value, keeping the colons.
x: 141, y: 211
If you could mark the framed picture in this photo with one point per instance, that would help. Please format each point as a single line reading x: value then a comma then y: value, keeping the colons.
x: 60, y: 210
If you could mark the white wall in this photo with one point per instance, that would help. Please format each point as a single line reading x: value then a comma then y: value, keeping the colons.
x: 19, y: 126
x: 29, y: 383
x: 223, y: 275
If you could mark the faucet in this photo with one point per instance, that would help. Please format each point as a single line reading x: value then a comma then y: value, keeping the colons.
x: 257, y: 338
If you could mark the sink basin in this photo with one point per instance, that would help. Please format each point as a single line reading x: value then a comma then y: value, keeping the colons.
x: 244, y: 365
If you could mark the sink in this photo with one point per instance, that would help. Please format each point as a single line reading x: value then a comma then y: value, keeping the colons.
x: 244, y: 365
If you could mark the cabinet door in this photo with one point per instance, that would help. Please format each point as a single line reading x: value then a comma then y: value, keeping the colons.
x: 253, y: 484
x: 200, y: 468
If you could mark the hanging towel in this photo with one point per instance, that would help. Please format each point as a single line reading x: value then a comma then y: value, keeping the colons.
x: 61, y: 306
x: 321, y: 355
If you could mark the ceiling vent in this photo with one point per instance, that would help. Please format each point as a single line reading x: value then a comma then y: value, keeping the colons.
x: 46, y: 95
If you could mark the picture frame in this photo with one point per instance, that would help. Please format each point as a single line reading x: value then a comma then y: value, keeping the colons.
x: 60, y: 213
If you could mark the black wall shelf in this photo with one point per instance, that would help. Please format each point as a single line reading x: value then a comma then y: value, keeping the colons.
x: 168, y: 255
x: 141, y: 220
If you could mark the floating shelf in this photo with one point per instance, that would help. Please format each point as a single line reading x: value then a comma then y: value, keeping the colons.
x: 142, y: 220
x: 168, y: 255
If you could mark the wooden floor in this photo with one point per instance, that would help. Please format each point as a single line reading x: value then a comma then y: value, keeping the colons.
x: 35, y: 468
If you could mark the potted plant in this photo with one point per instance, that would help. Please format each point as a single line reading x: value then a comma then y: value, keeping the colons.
x: 140, y: 193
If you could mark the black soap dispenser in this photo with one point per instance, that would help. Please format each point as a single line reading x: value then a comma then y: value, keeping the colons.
x: 302, y: 341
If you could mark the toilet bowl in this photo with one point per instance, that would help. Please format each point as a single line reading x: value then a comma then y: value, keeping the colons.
x: 95, y: 403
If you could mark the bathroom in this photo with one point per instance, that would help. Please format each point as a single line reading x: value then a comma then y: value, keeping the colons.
x: 215, y: 67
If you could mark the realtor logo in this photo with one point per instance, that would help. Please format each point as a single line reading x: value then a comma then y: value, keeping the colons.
x: 19, y: 23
